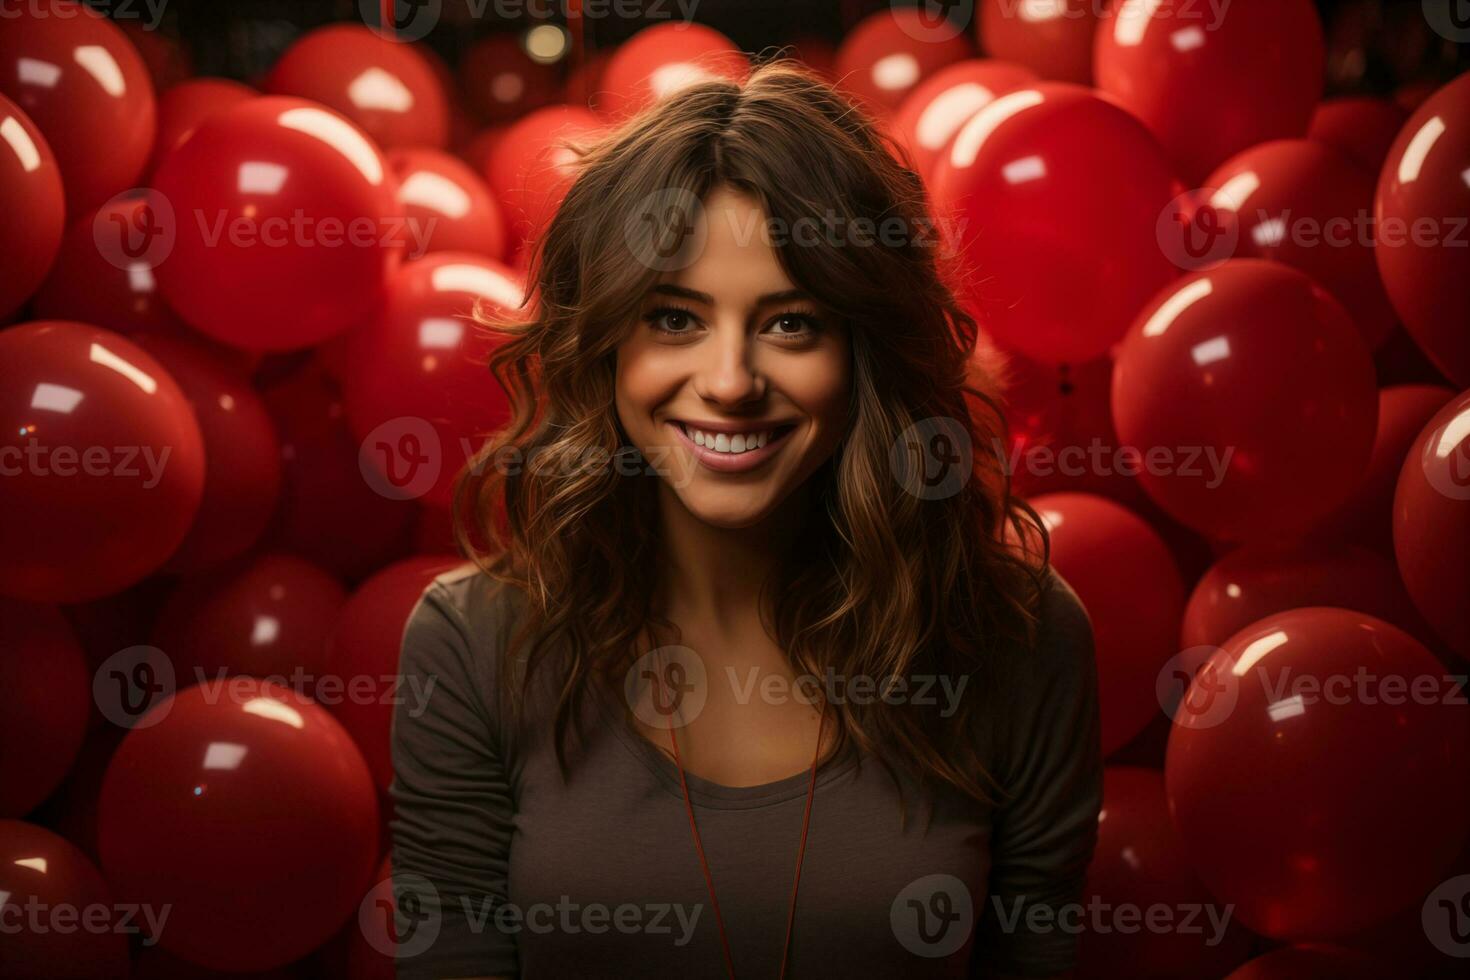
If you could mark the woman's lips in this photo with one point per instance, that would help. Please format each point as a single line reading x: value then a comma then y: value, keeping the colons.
x: 733, y: 462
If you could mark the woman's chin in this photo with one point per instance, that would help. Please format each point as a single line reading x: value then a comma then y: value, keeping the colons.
x: 731, y: 508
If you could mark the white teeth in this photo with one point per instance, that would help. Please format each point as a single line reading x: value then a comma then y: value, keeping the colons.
x: 722, y: 442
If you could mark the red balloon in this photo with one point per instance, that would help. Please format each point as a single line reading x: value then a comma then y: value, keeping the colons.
x: 1422, y: 199
x: 1212, y: 81
x: 84, y: 85
x: 254, y: 819
x: 167, y: 62
x: 502, y: 81
x: 1363, y: 128
x: 1366, y: 516
x: 329, y: 512
x: 448, y: 206
x: 433, y: 533
x: 283, y: 236
x: 1052, y: 39
x: 182, y: 108
x: 583, y: 86
x: 1061, y: 427
x: 39, y: 870
x: 1316, y: 772
x: 242, y: 471
x: 533, y: 165
x: 103, y: 462
x: 1123, y: 573
x: 419, y: 394
x: 1314, y: 962
x: 1423, y: 946
x: 1256, y: 581
x: 1251, y: 397
x: 1307, y: 205
x: 1057, y: 269
x: 1431, y: 522
x: 364, y: 655
x: 48, y: 695
x: 386, y: 87
x: 271, y: 616
x: 888, y: 53
x: 1140, y: 865
x: 32, y: 202
x: 662, y: 60
x: 94, y: 281
x: 477, y: 151
x: 938, y: 106
x: 370, y: 948
x: 1411, y: 95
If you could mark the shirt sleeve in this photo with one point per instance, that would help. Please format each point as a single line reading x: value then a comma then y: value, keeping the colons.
x: 1045, y: 829
x: 453, y: 808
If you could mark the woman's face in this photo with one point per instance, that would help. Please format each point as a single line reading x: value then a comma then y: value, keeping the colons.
x: 731, y: 383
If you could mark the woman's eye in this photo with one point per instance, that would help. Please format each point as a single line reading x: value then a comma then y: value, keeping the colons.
x: 793, y: 325
x: 670, y: 320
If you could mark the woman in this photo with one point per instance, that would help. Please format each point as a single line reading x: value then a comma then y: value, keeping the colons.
x: 753, y: 679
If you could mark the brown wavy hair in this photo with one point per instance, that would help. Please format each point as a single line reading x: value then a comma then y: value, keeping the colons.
x: 884, y: 583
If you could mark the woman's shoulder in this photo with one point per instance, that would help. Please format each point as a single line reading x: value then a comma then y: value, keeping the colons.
x: 1063, y: 627
x: 1061, y: 652
x: 464, y: 620
x: 485, y: 606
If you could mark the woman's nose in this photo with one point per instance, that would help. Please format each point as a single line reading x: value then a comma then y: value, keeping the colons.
x: 727, y: 374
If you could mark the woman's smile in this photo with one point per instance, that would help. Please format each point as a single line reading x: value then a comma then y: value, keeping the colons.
x: 732, y: 447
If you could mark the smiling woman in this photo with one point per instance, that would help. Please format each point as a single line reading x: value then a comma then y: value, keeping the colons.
x: 704, y: 684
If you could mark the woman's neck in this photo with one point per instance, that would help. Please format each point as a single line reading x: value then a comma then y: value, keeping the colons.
x: 715, y: 574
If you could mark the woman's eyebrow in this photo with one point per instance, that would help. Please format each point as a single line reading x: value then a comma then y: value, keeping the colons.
x: 783, y: 296
x: 669, y: 289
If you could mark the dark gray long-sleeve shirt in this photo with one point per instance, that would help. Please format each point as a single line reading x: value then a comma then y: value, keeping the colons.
x: 501, y: 868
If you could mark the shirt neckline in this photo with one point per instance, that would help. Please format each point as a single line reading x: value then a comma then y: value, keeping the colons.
x: 706, y: 792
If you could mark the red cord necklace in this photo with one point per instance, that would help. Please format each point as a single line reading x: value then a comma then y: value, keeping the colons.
x: 806, y: 818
